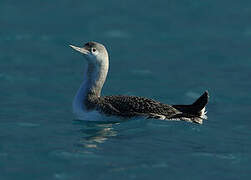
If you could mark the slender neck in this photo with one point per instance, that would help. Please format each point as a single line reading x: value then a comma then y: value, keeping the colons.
x: 94, y: 78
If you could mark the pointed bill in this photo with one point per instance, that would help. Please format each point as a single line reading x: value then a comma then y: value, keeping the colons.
x: 82, y: 50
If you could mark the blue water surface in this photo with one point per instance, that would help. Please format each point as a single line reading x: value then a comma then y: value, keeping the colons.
x: 171, y: 51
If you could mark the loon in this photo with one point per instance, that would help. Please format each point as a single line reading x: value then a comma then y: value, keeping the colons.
x: 89, y: 105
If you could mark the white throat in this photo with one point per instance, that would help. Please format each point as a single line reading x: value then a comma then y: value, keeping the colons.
x: 94, y: 78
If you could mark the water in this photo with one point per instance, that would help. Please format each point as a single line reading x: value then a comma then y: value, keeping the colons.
x: 168, y: 50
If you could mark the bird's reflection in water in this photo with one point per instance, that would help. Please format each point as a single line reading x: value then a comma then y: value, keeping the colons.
x: 94, y: 133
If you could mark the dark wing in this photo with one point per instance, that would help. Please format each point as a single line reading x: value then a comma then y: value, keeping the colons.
x: 128, y: 106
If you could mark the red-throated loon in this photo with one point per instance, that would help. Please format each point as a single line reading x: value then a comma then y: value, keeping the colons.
x: 89, y: 105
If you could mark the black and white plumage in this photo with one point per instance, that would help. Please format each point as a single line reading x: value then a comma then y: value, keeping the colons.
x: 89, y: 105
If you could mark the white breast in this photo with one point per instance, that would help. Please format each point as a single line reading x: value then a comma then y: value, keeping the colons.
x: 89, y: 116
x: 96, y: 116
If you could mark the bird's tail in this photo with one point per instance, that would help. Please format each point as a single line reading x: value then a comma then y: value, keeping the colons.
x: 195, y: 112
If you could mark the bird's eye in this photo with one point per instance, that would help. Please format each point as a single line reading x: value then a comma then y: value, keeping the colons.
x: 94, y: 50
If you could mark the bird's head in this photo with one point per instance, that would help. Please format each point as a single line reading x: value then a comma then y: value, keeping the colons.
x: 94, y: 52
